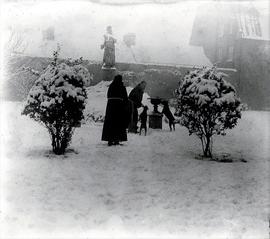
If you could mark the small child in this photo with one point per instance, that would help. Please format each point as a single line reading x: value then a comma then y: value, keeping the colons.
x: 167, y: 112
x: 143, y: 119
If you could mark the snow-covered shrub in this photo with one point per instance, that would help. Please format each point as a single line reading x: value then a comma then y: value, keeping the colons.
x: 33, y: 71
x: 207, y: 105
x: 57, y: 101
x: 77, y: 64
x: 95, y: 116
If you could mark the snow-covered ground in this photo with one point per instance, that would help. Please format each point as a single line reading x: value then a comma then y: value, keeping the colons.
x: 153, y: 186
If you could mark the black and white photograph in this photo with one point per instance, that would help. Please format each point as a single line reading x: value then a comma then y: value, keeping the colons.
x: 135, y: 119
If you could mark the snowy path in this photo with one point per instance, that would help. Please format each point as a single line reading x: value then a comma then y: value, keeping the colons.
x: 153, y: 186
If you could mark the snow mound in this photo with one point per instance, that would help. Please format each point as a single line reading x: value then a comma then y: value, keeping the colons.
x: 97, y: 100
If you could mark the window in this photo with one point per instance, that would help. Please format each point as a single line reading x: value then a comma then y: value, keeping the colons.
x: 231, y: 26
x: 230, y: 53
x: 220, y: 30
x: 219, y: 56
x: 48, y: 34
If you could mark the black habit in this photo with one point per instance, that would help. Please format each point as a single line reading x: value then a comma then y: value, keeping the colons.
x: 116, y: 118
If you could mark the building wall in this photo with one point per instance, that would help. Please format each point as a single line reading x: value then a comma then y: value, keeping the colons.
x: 253, y: 65
x: 161, y: 80
x: 227, y: 46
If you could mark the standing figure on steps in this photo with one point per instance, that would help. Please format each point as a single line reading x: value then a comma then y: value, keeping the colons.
x: 109, y: 49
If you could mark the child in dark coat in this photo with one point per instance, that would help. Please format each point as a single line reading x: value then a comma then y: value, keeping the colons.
x: 143, y: 119
x: 167, y: 112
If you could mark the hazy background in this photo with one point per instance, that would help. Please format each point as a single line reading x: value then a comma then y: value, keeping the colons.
x: 162, y: 30
x: 163, y: 33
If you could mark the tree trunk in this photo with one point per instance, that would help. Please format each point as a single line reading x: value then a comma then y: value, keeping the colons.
x: 57, y: 144
x: 207, y: 152
x: 60, y: 139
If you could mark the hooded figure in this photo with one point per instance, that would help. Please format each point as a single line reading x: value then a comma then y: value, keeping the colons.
x: 135, y: 97
x: 116, y: 118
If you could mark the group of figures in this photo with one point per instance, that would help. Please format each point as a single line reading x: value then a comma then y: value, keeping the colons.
x: 121, y: 111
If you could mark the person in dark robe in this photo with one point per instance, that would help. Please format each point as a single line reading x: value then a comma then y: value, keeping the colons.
x: 135, y: 98
x: 116, y: 118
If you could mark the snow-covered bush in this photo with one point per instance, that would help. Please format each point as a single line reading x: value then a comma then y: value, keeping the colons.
x: 207, y: 105
x: 94, y: 116
x: 57, y: 101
